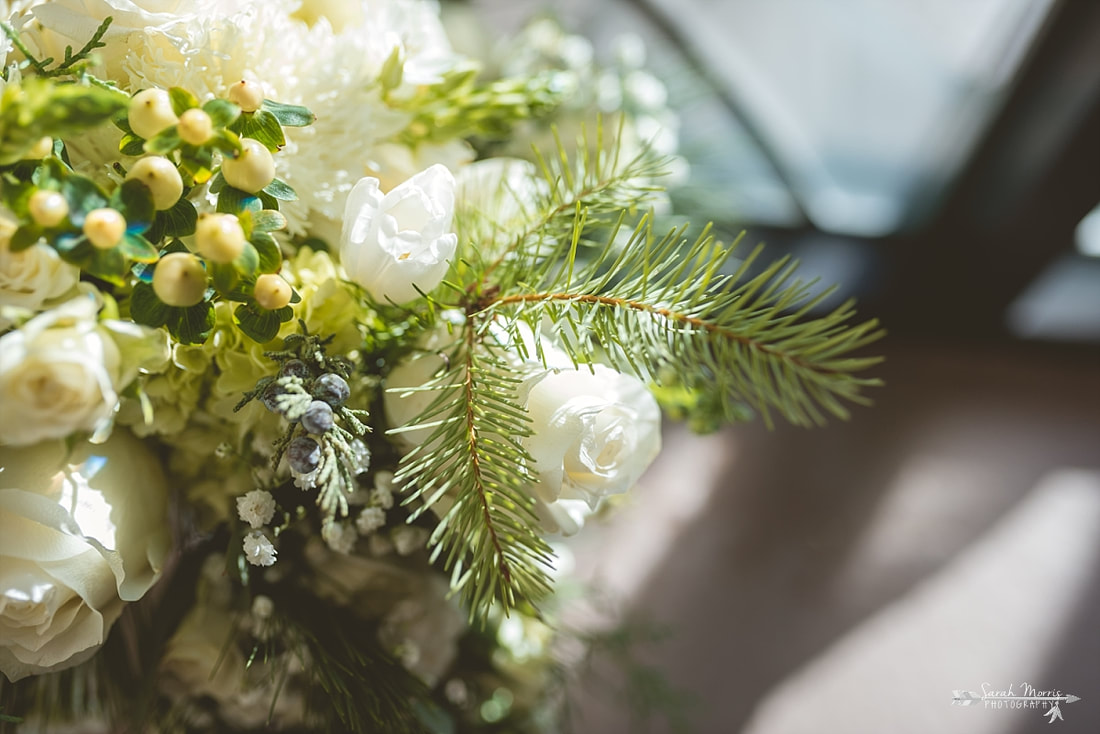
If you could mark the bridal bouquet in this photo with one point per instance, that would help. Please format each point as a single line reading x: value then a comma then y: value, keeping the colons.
x: 308, y: 355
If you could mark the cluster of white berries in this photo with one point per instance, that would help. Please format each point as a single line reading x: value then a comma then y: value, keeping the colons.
x: 180, y: 278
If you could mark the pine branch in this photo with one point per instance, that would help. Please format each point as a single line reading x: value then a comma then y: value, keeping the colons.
x: 354, y: 685
x: 474, y: 458
x: 748, y: 342
x: 597, y: 180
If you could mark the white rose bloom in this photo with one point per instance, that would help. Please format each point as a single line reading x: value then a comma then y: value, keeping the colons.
x: 393, y: 242
x: 62, y: 370
x: 595, y: 433
x: 29, y: 278
x: 80, y: 534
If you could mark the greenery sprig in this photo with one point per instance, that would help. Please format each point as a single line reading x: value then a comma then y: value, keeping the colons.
x: 667, y: 310
x: 72, y: 64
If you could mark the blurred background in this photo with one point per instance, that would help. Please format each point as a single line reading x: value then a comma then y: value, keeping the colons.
x: 940, y: 161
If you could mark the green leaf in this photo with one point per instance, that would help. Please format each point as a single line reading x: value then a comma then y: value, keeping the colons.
x: 268, y: 220
x: 135, y: 202
x: 217, y: 183
x: 280, y: 190
x: 138, y: 248
x: 257, y: 323
x: 268, y: 201
x: 270, y: 257
x: 36, y: 107
x: 234, y: 201
x: 226, y: 141
x: 109, y: 265
x: 222, y: 112
x: 288, y: 114
x: 164, y: 142
x: 25, y: 237
x: 146, y: 308
x: 180, y: 220
x: 83, y: 195
x: 192, y: 325
x: 247, y: 262
x: 196, y: 165
x: 262, y: 126
x: 182, y: 100
x: 131, y: 145
x: 224, y: 276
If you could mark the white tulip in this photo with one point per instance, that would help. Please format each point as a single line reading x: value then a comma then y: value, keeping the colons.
x: 395, y: 243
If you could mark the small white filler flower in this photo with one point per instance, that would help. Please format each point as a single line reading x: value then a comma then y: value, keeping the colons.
x: 258, y: 549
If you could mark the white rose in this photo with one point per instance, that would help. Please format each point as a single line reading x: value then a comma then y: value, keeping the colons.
x: 31, y: 277
x: 594, y: 434
x: 402, y: 239
x: 80, y: 534
x: 62, y: 370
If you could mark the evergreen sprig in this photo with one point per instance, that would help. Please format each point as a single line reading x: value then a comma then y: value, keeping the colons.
x: 597, y: 180
x: 667, y: 310
x: 657, y: 308
x: 72, y: 64
x: 474, y: 455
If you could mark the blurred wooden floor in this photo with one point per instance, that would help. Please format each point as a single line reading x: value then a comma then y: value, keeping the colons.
x: 848, y: 579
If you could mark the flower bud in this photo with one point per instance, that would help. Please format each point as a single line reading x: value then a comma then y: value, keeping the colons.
x: 180, y: 279
x: 150, y: 112
x: 104, y: 228
x: 219, y: 237
x: 252, y: 169
x: 271, y: 291
x: 247, y: 95
x: 48, y: 208
x: 195, y: 127
x: 161, y: 178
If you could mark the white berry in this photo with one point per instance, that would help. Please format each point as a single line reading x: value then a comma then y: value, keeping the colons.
x: 247, y: 95
x: 180, y: 279
x: 47, y: 208
x: 252, y: 169
x: 195, y: 127
x: 271, y: 291
x: 41, y: 149
x: 104, y: 228
x: 219, y: 237
x: 162, y: 179
x: 150, y: 112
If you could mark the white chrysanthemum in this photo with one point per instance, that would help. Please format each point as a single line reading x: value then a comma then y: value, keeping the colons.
x: 256, y: 508
x: 335, y: 74
x: 258, y: 550
x: 370, y: 519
